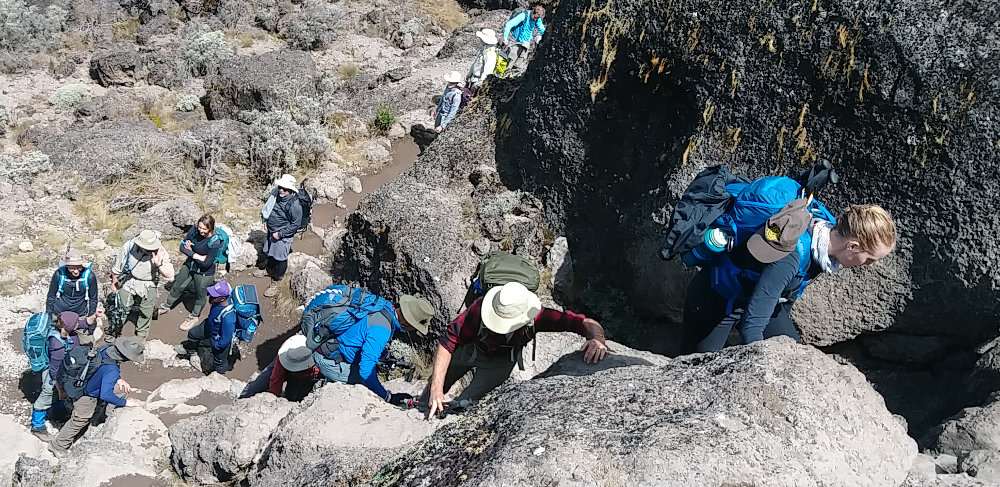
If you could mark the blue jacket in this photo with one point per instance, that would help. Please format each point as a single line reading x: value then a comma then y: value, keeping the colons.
x: 777, y: 280
x: 221, y: 329
x: 363, y: 345
x: 522, y: 26
x: 448, y: 106
x: 209, y: 246
x: 74, y: 295
x: 102, y: 384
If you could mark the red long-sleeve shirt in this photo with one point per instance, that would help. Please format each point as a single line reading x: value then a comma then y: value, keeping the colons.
x: 279, y: 375
x: 468, y: 328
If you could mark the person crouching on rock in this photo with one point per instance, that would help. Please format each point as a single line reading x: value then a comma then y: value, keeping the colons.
x: 863, y: 235
x: 74, y: 288
x: 489, y: 337
x: 201, y: 246
x: 103, y: 385
x: 293, y: 371
x: 63, y: 339
x: 282, y: 220
x: 135, y: 275
x: 450, y: 102
x: 219, y: 328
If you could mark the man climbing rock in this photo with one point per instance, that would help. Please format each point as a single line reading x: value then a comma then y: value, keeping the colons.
x: 292, y: 374
x: 219, y: 329
x: 485, y: 61
x: 490, y: 336
x: 74, y: 288
x: 282, y: 216
x: 450, y: 102
x: 201, y: 246
x: 522, y: 26
x: 863, y: 235
x: 135, y: 275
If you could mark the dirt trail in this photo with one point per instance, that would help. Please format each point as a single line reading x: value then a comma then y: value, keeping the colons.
x: 277, y: 326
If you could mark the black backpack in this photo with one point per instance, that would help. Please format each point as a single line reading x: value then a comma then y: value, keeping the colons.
x: 78, y: 367
x: 306, y: 202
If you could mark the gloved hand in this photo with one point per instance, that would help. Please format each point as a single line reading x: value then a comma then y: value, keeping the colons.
x: 399, y: 398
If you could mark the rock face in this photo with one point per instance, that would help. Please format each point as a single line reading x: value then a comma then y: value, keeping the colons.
x: 975, y: 428
x: 17, y: 440
x: 263, y: 82
x: 117, y: 67
x: 309, y: 280
x: 171, y: 218
x: 737, y: 420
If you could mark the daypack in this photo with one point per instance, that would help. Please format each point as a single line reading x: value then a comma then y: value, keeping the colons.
x: 127, y: 268
x: 79, y: 366
x: 116, y: 313
x: 231, y: 249
x: 466, y: 97
x: 84, y: 277
x: 244, y: 302
x: 502, y: 62
x: 338, y: 308
x: 35, y: 341
x: 497, y: 269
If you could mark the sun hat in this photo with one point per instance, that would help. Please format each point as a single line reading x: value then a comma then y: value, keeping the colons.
x: 73, y: 258
x: 417, y: 312
x: 509, y: 307
x: 294, y: 355
x: 488, y: 36
x: 780, y: 234
x: 69, y: 319
x: 148, y: 240
x: 453, y: 77
x: 219, y: 289
x: 128, y: 348
x: 288, y: 182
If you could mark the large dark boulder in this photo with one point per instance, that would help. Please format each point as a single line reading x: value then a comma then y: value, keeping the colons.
x: 262, y: 82
x: 120, y: 66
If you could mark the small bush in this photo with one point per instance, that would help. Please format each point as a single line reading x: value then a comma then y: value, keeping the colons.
x: 448, y: 14
x: 348, y: 70
x: 20, y: 171
x: 126, y: 31
x: 188, y: 103
x: 313, y: 27
x: 278, y: 145
x: 384, y: 118
x: 24, y: 28
x: 5, y: 120
x: 68, y: 97
x: 203, y: 49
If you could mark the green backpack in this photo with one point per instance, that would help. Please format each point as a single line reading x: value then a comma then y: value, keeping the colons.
x: 501, y: 66
x: 497, y: 269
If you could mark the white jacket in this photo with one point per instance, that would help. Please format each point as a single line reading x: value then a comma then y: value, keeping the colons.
x: 483, y: 64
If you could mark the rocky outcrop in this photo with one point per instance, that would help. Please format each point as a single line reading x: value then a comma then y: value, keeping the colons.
x: 18, y: 441
x: 309, y: 280
x: 171, y: 218
x: 121, y: 67
x: 773, y: 413
x: 262, y: 82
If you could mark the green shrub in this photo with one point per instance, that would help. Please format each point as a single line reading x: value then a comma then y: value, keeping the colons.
x: 313, y: 27
x: 24, y: 28
x: 278, y: 145
x: 68, y: 97
x: 384, y: 118
x: 188, y: 103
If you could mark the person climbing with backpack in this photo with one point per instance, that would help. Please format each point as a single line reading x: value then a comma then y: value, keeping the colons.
x: 283, y: 218
x: 74, y: 288
x: 348, y: 328
x: 219, y: 328
x: 490, y: 336
x: 292, y: 374
x: 485, y: 61
x: 55, y: 338
x: 202, y: 246
x: 135, y: 275
x: 522, y: 25
x: 450, y: 102
x: 758, y: 244
x: 89, y: 375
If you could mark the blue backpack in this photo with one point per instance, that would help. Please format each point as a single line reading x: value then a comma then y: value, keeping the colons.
x: 336, y: 309
x: 35, y: 341
x: 244, y: 302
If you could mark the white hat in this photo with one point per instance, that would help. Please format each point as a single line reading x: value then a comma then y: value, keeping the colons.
x: 488, y: 36
x: 288, y: 182
x: 148, y: 240
x: 294, y: 355
x: 509, y: 307
x: 453, y: 77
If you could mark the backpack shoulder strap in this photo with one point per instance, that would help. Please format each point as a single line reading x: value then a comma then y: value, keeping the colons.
x: 62, y: 281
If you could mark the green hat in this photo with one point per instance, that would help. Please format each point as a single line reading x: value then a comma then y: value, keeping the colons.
x: 417, y: 312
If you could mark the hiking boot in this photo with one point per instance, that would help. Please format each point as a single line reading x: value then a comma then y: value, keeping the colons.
x: 58, y: 452
x: 163, y: 308
x: 41, y: 433
x: 189, y: 323
x: 271, y: 290
x: 182, y: 352
x: 260, y: 273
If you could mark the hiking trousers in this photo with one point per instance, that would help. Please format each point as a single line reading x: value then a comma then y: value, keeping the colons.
x: 220, y: 358
x: 44, y: 400
x: 490, y: 372
x: 185, y: 278
x: 517, y: 51
x: 83, y: 411
x: 146, y: 305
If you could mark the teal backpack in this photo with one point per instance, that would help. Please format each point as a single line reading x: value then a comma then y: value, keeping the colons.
x: 35, y: 341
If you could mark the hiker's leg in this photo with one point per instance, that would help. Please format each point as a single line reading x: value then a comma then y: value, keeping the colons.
x: 260, y: 383
x: 781, y: 323
x: 297, y: 389
x: 704, y: 311
x: 111, y: 407
x: 489, y: 374
x: 220, y: 360
x: 83, y: 410
x: 280, y: 267
x: 195, y: 336
x: 459, y: 365
x: 201, y: 284
x: 147, y: 304
x: 513, y: 53
x: 40, y: 408
x: 181, y: 281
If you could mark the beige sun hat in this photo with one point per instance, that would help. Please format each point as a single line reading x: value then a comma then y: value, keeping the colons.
x: 288, y: 182
x: 488, y: 36
x: 73, y: 258
x: 148, y: 240
x: 509, y: 307
x: 294, y: 355
x: 453, y: 77
x: 417, y: 312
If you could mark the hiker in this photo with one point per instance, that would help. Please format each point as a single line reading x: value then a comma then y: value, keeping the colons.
x: 137, y: 270
x: 522, y: 25
x: 201, y: 246
x: 74, y: 288
x: 101, y: 383
x: 60, y: 340
x: 863, y: 235
x: 349, y: 329
x: 489, y: 337
x: 293, y: 366
x: 450, y: 102
x: 282, y: 220
x: 219, y: 328
x: 485, y: 61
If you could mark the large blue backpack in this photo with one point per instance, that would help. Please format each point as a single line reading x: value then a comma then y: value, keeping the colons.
x: 35, y: 341
x: 244, y: 302
x: 337, y: 309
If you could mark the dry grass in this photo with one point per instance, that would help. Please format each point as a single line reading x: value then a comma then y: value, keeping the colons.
x: 348, y: 70
x: 92, y: 207
x: 23, y: 264
x: 126, y: 31
x: 448, y: 14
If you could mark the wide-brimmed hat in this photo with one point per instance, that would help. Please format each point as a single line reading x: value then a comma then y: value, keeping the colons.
x: 294, y: 355
x: 72, y: 258
x: 128, y: 348
x: 148, y: 240
x: 780, y: 234
x: 509, y: 307
x: 69, y: 320
x: 417, y: 312
x: 488, y: 36
x: 219, y: 289
x: 453, y: 77
x: 288, y: 182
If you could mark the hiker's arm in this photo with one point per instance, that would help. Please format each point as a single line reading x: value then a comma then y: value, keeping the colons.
x: 294, y: 221
x: 226, y: 331
x: 166, y: 269
x: 209, y: 257
x: 435, y: 399
x: 277, y: 380
x: 376, y: 339
x: 94, y: 300
x: 108, y: 381
x: 510, y: 25
x: 50, y: 299
x: 541, y: 30
x: 186, y: 246
x: 773, y: 280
